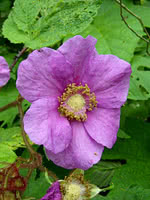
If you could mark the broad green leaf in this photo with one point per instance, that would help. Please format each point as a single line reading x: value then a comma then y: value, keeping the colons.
x: 135, y: 152
x: 143, y: 12
x: 114, y: 32
x: 11, y: 137
x: 36, y: 187
x: 45, y: 22
x: 102, y: 173
x: 140, y: 79
x: 6, y: 155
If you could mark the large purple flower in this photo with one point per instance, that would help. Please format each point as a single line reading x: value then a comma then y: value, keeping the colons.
x: 76, y: 96
x: 4, y: 72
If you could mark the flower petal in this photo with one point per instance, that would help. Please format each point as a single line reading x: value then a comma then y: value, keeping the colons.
x: 82, y: 152
x: 4, y: 72
x: 44, y: 73
x: 108, y: 77
x: 45, y: 126
x: 53, y: 193
x: 77, y: 51
x: 102, y: 125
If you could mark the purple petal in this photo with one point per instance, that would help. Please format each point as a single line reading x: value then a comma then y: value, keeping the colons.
x: 77, y: 51
x: 45, y: 126
x: 102, y: 125
x: 53, y: 193
x: 43, y: 74
x: 108, y: 76
x: 4, y: 72
x: 82, y: 153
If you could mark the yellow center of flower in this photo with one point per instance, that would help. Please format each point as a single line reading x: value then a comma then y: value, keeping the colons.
x: 73, y: 192
x: 76, y: 101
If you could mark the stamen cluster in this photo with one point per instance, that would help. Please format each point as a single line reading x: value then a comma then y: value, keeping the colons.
x: 75, y: 188
x: 75, y: 101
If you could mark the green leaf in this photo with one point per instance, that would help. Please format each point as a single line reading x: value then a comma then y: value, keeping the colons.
x: 114, y: 32
x: 6, y: 155
x: 136, y: 109
x: 8, y: 94
x: 102, y: 173
x: 122, y: 134
x: 132, y: 193
x: 139, y: 82
x: 36, y: 187
x: 11, y: 137
x: 136, y: 152
x: 102, y: 45
x: 45, y: 22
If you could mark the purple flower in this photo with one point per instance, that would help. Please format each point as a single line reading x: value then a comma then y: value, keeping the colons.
x: 4, y: 72
x: 53, y: 193
x: 76, y: 96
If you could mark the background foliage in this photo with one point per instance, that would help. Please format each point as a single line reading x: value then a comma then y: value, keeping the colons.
x: 36, y: 24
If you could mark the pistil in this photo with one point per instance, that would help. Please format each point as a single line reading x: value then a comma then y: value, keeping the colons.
x: 76, y: 101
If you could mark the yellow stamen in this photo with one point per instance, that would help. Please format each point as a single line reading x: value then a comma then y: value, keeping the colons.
x: 75, y: 101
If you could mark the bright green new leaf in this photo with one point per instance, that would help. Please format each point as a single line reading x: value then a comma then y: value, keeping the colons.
x: 45, y: 22
x: 11, y: 137
x: 6, y: 155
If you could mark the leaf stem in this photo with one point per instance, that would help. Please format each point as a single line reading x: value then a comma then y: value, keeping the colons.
x: 140, y: 21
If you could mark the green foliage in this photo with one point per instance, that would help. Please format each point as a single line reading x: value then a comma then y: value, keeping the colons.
x: 135, y: 152
x: 8, y: 94
x: 102, y: 173
x: 139, y: 82
x: 37, y: 187
x: 6, y: 155
x: 113, y: 35
x: 11, y: 137
x: 38, y: 23
x: 44, y: 22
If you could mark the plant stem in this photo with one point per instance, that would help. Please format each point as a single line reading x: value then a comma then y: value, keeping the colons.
x: 12, y: 104
x: 17, y: 57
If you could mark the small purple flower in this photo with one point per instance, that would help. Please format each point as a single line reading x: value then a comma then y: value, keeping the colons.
x: 53, y: 193
x: 76, y: 97
x: 4, y: 72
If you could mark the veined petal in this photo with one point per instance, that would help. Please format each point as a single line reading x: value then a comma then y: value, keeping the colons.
x: 43, y: 74
x: 45, y: 126
x: 4, y: 72
x: 102, y: 125
x: 82, y: 152
x: 77, y: 51
x: 108, y: 77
